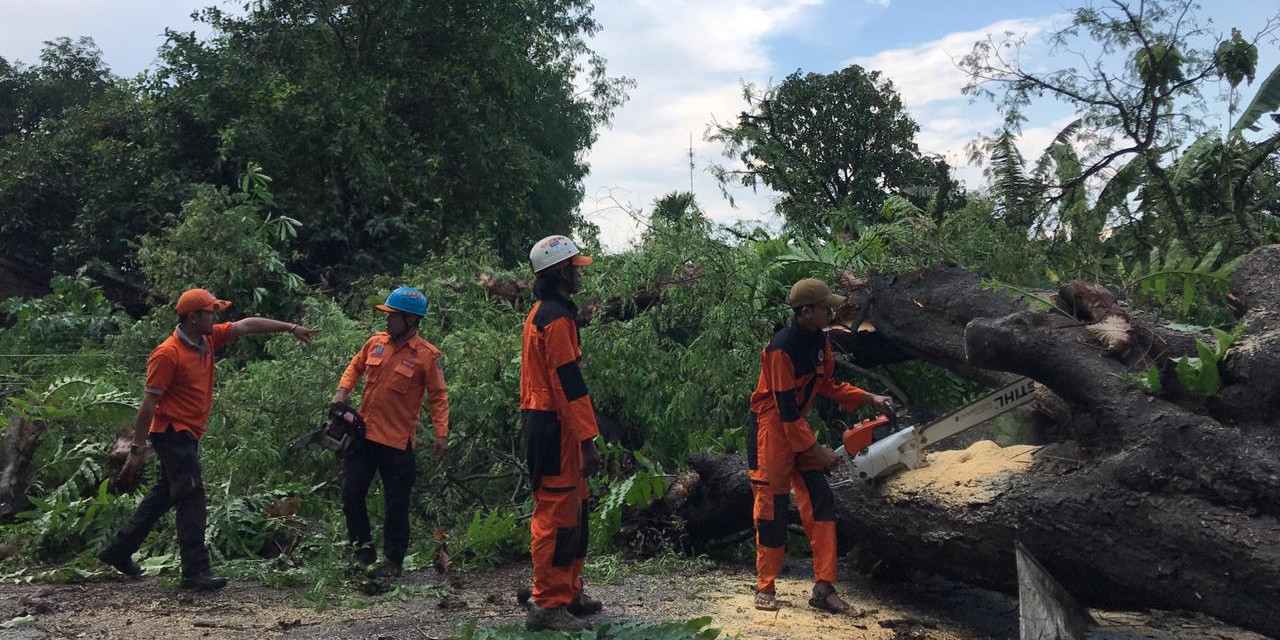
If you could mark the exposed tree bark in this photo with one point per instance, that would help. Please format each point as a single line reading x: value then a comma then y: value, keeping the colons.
x: 1149, y: 504
x: 1251, y: 370
x: 17, y: 447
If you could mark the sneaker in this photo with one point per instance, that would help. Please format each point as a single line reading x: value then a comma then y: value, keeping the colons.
x: 585, y: 605
x: 387, y: 570
x: 554, y: 618
x: 120, y: 562
x: 206, y: 582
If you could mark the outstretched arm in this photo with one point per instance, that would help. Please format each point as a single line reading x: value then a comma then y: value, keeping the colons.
x: 250, y: 326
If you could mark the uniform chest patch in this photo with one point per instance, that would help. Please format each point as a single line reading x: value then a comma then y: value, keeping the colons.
x: 377, y: 350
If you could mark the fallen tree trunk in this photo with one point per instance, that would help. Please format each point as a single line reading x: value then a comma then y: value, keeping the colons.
x: 17, y: 448
x: 1151, y: 503
x: 1251, y: 370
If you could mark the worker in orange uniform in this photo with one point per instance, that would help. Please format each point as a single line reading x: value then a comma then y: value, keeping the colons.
x: 782, y: 453
x: 560, y: 427
x: 398, y: 368
x: 172, y: 416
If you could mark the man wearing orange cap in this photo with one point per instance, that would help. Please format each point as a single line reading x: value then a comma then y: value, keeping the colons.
x: 782, y: 453
x: 174, y: 412
x: 399, y: 368
x: 560, y: 430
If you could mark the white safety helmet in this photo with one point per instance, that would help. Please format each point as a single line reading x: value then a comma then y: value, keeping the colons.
x: 553, y: 250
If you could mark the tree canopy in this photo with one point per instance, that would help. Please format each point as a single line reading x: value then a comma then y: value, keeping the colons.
x: 390, y: 128
x: 834, y: 146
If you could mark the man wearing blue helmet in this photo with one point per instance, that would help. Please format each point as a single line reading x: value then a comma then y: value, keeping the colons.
x: 398, y: 368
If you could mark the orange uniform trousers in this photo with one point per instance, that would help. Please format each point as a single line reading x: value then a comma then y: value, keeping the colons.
x: 558, y: 531
x: 774, y: 477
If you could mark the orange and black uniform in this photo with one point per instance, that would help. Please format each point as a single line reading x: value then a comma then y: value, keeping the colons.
x: 180, y: 373
x: 396, y: 379
x: 558, y: 417
x: 794, y: 368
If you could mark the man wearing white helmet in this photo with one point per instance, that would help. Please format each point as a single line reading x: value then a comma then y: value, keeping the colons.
x: 560, y: 430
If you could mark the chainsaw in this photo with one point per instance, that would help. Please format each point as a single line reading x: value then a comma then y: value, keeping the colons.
x: 341, y: 432
x: 878, y: 447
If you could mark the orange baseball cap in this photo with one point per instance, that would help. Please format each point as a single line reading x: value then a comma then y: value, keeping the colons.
x: 199, y: 300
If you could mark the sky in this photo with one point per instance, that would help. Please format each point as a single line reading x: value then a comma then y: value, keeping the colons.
x: 690, y: 60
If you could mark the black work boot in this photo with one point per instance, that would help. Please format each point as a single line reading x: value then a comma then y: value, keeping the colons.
x: 387, y: 570
x: 120, y: 561
x: 205, y: 582
x: 365, y: 555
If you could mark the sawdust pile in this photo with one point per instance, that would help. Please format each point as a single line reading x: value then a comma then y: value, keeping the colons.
x: 961, y: 478
x: 735, y: 614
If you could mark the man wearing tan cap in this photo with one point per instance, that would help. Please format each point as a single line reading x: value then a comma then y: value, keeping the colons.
x: 782, y: 453
x: 174, y: 411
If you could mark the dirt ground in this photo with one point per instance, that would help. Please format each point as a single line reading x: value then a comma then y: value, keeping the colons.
x: 917, y: 608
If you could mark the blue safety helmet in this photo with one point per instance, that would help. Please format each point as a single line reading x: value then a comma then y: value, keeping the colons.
x: 406, y: 299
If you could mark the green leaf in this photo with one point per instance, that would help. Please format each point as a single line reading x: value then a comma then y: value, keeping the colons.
x: 1266, y: 100
x: 1188, y: 294
x: 25, y: 620
x: 1224, y: 340
x: 1149, y: 379
x: 1209, y: 258
x: 1200, y: 374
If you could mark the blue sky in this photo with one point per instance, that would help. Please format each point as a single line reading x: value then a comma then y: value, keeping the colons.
x: 689, y: 58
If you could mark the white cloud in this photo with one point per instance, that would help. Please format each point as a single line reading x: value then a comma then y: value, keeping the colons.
x: 689, y: 60
x: 705, y: 36
x: 930, y: 83
x: 928, y: 73
x: 1035, y: 140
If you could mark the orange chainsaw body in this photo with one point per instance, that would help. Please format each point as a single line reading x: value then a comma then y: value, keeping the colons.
x: 861, y: 435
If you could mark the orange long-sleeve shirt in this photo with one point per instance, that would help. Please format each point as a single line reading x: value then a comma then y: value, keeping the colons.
x: 794, y: 367
x: 550, y: 368
x: 396, y: 379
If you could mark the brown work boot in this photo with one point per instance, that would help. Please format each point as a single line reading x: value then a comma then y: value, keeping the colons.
x: 554, y: 618
x: 826, y: 599
x: 585, y: 605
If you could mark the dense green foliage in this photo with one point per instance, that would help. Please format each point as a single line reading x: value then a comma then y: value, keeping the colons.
x: 312, y: 155
x: 1144, y: 160
x: 832, y: 145
x: 389, y: 127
